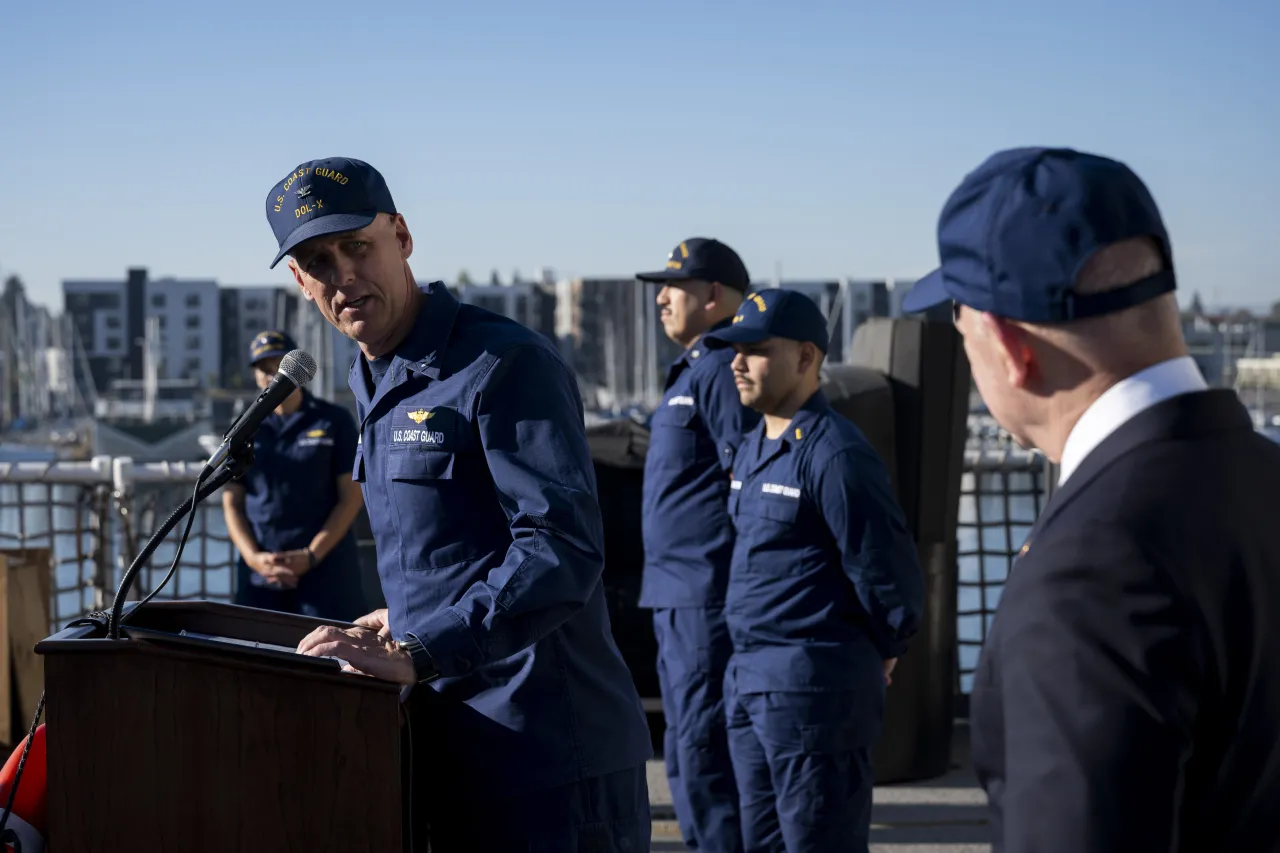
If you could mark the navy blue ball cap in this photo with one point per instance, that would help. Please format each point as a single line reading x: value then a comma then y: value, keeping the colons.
x: 773, y: 313
x: 269, y: 344
x: 325, y: 197
x: 1014, y: 236
x: 705, y: 259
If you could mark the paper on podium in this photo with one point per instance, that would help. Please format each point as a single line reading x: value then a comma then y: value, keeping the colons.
x: 255, y: 645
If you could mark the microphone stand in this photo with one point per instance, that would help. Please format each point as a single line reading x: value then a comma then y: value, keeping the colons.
x: 232, y: 469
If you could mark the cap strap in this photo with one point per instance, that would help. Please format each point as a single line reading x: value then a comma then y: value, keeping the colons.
x: 1077, y: 306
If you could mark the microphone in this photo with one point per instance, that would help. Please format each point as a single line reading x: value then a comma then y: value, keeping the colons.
x: 295, y: 371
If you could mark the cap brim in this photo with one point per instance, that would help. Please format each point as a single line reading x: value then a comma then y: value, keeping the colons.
x: 735, y: 335
x: 331, y: 224
x: 926, y: 293
x: 663, y: 275
x: 271, y: 353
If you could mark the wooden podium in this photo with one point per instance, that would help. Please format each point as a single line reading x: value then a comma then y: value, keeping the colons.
x: 194, y: 735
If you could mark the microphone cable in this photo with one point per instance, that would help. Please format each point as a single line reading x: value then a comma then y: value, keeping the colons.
x: 177, y: 556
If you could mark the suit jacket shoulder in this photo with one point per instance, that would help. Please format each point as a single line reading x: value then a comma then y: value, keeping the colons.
x: 1125, y: 688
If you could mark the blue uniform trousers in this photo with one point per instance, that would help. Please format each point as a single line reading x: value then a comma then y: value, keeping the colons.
x: 693, y: 651
x: 603, y: 814
x: 803, y: 766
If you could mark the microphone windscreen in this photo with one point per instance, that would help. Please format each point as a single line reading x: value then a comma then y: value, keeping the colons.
x: 299, y: 366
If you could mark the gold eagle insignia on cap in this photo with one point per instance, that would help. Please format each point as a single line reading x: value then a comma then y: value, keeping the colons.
x: 420, y: 415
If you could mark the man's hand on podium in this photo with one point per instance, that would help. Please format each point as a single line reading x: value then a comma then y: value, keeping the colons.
x: 365, y: 650
x: 377, y: 620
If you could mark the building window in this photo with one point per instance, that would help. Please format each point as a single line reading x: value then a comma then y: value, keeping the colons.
x: 113, y: 343
x: 193, y: 342
x: 111, y: 322
x: 193, y: 367
x: 254, y: 304
x: 157, y: 300
x: 193, y: 300
x: 161, y: 318
x: 193, y: 321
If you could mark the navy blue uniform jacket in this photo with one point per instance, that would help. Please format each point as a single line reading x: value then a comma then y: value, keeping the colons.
x: 481, y: 495
x: 1128, y: 695
x: 688, y: 536
x: 826, y: 581
x: 292, y: 486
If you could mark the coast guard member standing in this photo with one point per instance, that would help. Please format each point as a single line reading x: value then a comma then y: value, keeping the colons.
x: 824, y: 591
x: 688, y: 536
x: 1128, y: 694
x: 528, y: 730
x: 290, y: 517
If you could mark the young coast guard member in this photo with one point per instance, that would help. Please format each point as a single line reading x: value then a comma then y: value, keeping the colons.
x: 290, y: 516
x: 825, y: 590
x: 688, y: 537
x: 528, y: 730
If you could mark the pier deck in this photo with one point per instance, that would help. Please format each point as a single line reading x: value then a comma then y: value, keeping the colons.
x: 944, y: 815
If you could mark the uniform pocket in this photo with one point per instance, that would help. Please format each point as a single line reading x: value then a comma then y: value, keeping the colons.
x: 673, y: 437
x: 412, y: 465
x: 430, y: 505
x: 777, y: 508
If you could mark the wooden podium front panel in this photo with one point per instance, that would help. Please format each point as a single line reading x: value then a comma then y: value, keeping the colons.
x: 155, y: 748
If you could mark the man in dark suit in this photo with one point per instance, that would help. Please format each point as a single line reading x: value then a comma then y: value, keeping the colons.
x: 1128, y: 695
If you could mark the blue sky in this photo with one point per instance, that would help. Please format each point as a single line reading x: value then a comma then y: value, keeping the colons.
x: 590, y: 137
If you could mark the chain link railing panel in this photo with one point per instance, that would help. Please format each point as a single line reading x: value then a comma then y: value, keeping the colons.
x: 95, y: 517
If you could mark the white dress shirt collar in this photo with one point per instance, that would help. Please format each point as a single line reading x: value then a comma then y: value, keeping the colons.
x: 1123, y: 401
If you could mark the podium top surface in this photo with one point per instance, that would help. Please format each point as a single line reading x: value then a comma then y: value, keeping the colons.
x: 210, y: 629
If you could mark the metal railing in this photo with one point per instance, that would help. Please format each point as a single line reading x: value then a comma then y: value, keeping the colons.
x: 95, y: 516
x: 1001, y: 493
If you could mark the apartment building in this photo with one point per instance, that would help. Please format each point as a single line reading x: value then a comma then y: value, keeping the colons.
x: 530, y: 303
x: 247, y: 311
x: 109, y: 319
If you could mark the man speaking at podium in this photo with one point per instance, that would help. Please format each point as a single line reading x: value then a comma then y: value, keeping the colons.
x: 527, y: 728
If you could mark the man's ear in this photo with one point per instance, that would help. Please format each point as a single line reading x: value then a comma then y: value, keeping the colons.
x: 808, y: 357
x: 403, y: 238
x: 715, y: 294
x: 297, y: 276
x: 1013, y: 346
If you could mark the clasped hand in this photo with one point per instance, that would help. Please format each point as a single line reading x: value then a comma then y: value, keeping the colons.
x: 281, y: 569
x: 366, y: 648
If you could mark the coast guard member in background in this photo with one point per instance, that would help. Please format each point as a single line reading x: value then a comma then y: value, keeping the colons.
x: 290, y: 517
x: 528, y: 730
x: 824, y: 591
x: 1128, y: 694
x: 688, y: 536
